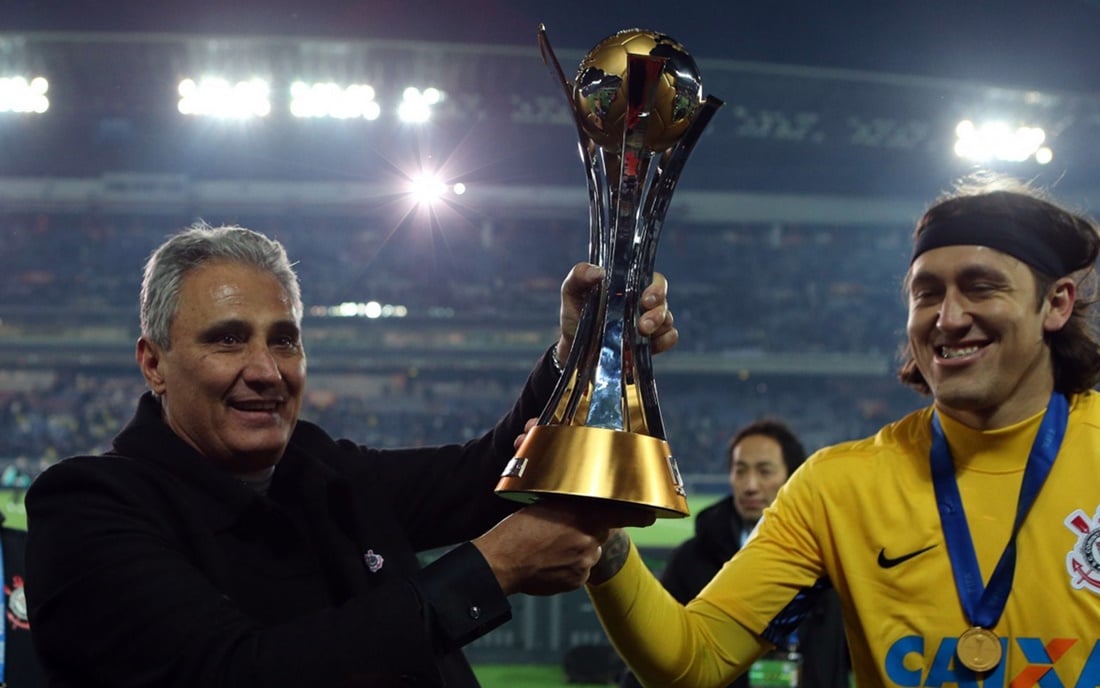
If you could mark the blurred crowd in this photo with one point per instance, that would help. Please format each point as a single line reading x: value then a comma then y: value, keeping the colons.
x: 773, y: 287
x: 764, y: 289
x: 78, y: 414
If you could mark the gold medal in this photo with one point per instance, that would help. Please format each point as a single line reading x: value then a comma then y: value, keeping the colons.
x: 979, y: 649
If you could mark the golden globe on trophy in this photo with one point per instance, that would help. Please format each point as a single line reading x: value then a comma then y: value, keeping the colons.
x: 638, y: 105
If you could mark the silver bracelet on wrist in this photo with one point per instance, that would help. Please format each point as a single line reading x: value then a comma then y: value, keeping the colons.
x: 554, y: 359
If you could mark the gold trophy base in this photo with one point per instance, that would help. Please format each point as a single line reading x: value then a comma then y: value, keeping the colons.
x: 596, y: 463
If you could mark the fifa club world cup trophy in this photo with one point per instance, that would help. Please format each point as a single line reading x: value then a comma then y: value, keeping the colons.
x: 638, y: 105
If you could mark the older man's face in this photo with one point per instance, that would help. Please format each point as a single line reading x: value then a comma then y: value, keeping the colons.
x: 232, y: 382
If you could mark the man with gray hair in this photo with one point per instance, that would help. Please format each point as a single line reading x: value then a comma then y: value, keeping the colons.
x: 224, y: 542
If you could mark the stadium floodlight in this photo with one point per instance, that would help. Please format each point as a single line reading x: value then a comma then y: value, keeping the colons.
x: 426, y: 188
x: 17, y: 94
x: 416, y: 105
x: 362, y: 309
x: 217, y: 97
x: 327, y: 99
x: 996, y: 140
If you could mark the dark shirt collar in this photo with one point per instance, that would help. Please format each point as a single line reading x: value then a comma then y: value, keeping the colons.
x: 148, y: 438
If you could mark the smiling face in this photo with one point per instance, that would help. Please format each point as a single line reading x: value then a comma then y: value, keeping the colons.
x: 976, y: 330
x: 231, y: 384
x: 757, y: 471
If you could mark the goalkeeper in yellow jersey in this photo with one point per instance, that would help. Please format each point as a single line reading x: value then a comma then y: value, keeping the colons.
x: 963, y: 538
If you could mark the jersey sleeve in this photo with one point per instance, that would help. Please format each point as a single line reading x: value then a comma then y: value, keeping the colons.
x: 767, y: 584
x: 759, y: 594
x: 666, y: 643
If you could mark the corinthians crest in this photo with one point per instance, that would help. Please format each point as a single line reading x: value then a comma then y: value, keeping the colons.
x: 17, y: 604
x: 1083, y: 561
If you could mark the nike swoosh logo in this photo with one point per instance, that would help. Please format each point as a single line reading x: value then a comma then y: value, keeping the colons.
x: 889, y: 563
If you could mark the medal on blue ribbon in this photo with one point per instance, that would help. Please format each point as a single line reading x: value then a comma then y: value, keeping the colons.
x: 978, y: 647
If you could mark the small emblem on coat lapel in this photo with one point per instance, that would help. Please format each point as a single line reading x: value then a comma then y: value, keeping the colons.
x: 373, y: 561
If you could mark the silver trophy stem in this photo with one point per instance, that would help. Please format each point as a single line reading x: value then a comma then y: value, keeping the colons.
x: 609, y: 403
x: 610, y: 366
x: 601, y: 435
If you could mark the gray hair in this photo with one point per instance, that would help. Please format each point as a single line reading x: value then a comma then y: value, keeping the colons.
x: 190, y: 248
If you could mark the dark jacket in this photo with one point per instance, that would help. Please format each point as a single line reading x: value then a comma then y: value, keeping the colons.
x: 21, y: 666
x: 148, y: 566
x: 691, y: 565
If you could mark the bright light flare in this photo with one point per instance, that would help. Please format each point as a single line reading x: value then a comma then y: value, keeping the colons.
x: 1000, y: 141
x: 416, y: 105
x: 426, y: 188
x: 327, y: 99
x: 361, y: 309
x: 17, y: 94
x: 217, y: 97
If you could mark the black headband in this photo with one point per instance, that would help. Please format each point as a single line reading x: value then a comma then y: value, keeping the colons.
x: 1005, y: 234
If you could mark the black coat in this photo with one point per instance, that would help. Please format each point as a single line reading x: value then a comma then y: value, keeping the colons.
x: 148, y: 566
x: 694, y: 563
